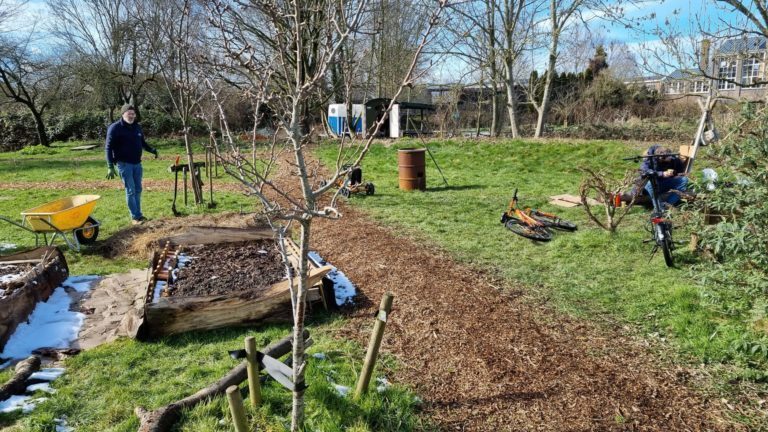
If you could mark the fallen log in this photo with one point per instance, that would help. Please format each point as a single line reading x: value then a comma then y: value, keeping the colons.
x: 162, y: 419
x: 18, y: 383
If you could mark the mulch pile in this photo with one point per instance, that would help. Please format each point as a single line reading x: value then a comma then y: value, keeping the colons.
x: 245, y: 268
x: 485, y: 359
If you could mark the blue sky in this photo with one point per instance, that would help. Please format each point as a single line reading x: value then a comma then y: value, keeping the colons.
x: 646, y: 16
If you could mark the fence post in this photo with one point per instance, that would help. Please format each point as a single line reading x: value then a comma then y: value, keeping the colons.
x: 373, y: 346
x: 236, y: 408
x: 254, y: 385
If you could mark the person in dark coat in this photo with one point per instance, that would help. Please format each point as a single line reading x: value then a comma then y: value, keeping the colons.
x: 669, y: 172
x: 125, y: 142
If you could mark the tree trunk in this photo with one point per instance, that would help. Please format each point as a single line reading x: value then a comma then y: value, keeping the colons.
x: 480, y: 98
x: 492, y: 69
x: 297, y: 416
x: 544, y: 107
x: 511, y: 103
x: 42, y: 136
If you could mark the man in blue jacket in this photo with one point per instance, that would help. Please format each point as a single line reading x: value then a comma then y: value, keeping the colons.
x: 125, y: 141
x: 670, y: 174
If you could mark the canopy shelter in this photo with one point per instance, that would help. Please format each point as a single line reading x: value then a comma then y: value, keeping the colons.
x: 406, y: 119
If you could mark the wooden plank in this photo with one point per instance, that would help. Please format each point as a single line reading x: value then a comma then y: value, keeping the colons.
x: 566, y: 200
x: 84, y: 147
x: 213, y: 235
x: 27, y: 261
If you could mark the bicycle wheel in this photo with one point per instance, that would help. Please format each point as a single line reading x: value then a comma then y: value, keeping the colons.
x: 529, y: 232
x: 554, y: 222
x: 663, y: 236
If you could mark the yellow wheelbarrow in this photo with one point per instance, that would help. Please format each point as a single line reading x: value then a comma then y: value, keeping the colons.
x: 71, y: 214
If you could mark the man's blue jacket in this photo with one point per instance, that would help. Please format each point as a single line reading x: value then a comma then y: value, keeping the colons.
x: 124, y: 143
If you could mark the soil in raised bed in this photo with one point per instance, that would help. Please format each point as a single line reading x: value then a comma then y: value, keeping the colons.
x: 244, y: 268
x: 9, y: 283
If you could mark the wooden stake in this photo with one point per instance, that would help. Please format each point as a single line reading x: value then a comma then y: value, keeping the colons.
x: 254, y: 385
x: 236, y: 408
x: 374, y: 344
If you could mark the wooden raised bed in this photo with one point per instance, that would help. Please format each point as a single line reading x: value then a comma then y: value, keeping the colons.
x: 177, y: 314
x: 36, y: 285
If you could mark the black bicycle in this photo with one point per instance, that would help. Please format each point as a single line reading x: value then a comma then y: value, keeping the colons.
x: 661, y: 227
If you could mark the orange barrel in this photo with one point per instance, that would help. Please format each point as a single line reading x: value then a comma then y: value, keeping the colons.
x: 410, y: 167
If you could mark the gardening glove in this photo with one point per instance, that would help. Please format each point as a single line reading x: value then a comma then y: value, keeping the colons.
x: 111, y: 172
x: 154, y: 152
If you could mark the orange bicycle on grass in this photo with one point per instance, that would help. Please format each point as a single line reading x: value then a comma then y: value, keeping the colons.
x: 533, y: 223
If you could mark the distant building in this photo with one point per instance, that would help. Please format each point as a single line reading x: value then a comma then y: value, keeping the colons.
x: 740, y: 63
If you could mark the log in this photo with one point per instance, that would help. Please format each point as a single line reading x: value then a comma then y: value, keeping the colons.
x: 33, y: 287
x: 162, y: 419
x: 18, y: 383
x: 210, y: 235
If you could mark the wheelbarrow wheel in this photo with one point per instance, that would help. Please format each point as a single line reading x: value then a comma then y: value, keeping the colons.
x: 88, y: 232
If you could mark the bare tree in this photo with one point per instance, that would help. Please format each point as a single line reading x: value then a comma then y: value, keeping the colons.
x: 273, y: 41
x: 560, y: 14
x: 29, y: 79
x: 106, y: 40
x: 8, y: 11
x: 518, y: 18
x: 174, y: 32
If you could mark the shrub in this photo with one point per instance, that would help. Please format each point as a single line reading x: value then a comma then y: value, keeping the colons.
x: 78, y: 126
x: 37, y: 150
x: 159, y: 123
x: 736, y: 275
x: 17, y: 130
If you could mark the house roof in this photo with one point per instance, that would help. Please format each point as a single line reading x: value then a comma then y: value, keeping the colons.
x: 740, y: 45
x: 679, y: 74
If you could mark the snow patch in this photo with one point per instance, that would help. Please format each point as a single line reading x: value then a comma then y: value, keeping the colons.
x: 80, y: 284
x: 44, y: 387
x: 9, y: 277
x: 48, y: 374
x: 343, y: 288
x: 159, y: 287
x: 384, y: 384
x: 184, y: 259
x: 16, y: 402
x: 343, y: 391
x: 61, y: 425
x: 50, y: 325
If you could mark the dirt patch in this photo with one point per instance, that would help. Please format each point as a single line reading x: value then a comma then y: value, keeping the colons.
x: 138, y: 241
x: 246, y: 268
x: 484, y: 359
x: 147, y: 185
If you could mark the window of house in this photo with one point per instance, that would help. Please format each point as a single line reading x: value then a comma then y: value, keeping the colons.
x: 727, y: 71
x: 676, y: 87
x: 750, y: 71
x: 700, y: 86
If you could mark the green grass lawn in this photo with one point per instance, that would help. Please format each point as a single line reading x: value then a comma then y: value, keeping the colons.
x: 102, y: 387
x: 588, y: 273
